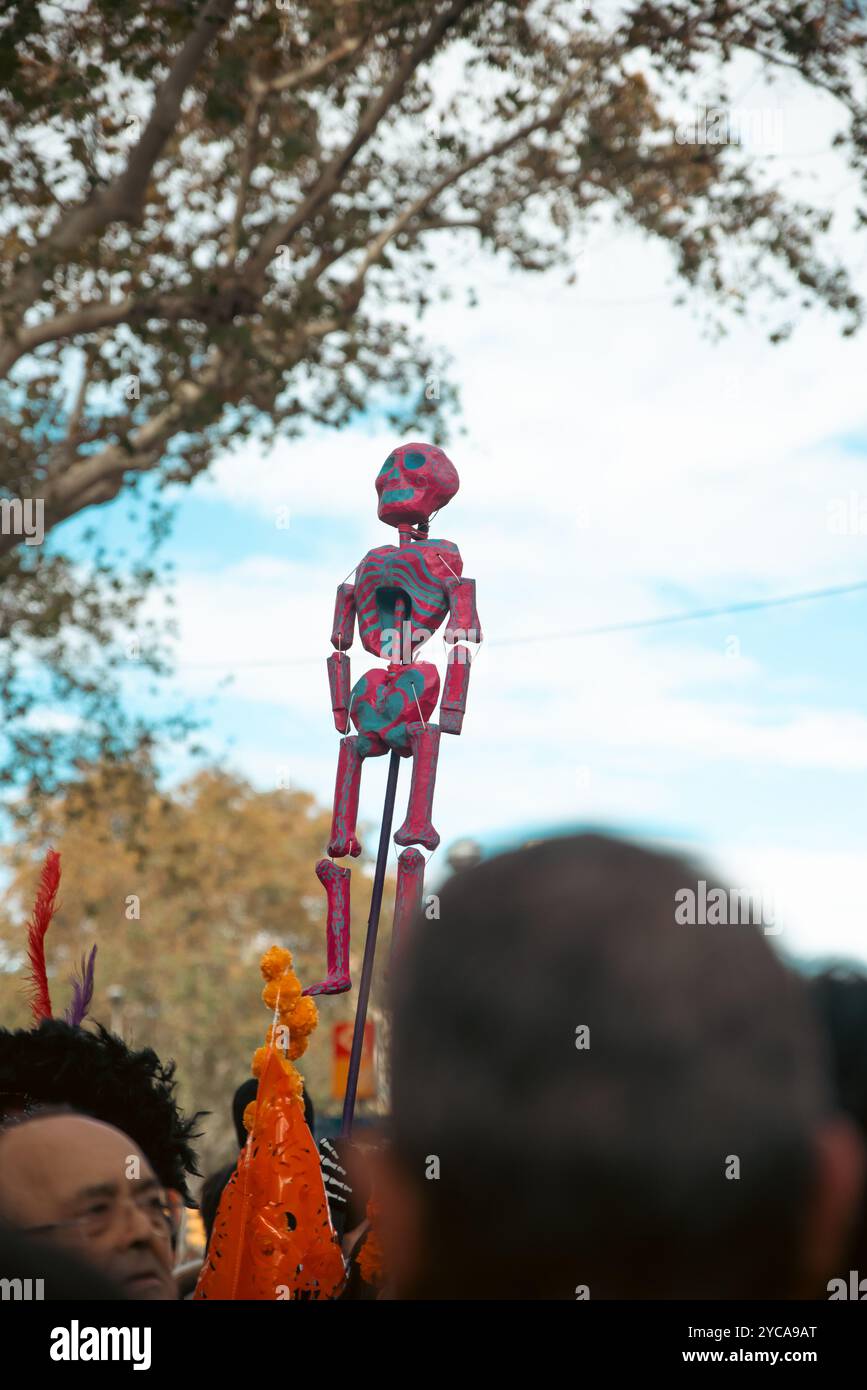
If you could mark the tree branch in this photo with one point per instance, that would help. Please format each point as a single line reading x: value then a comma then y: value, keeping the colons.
x: 206, y: 307
x: 99, y: 477
x: 71, y: 441
x: 775, y: 60
x: 121, y: 199
x: 289, y: 80
x: 415, y: 208
x: 248, y: 163
x: 329, y: 179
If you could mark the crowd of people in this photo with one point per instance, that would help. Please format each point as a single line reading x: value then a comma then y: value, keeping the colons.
x: 588, y: 1100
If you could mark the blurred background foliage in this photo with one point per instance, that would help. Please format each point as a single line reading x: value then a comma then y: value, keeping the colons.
x: 217, y: 873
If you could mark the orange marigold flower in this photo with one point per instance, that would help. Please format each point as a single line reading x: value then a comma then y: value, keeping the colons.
x: 302, y: 1018
x: 285, y: 991
x: 276, y: 961
x: 296, y: 1081
x: 250, y: 1116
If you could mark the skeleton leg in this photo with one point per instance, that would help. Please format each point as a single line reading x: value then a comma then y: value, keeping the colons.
x: 407, y: 899
x: 418, y: 828
x: 335, y: 880
x: 345, y: 814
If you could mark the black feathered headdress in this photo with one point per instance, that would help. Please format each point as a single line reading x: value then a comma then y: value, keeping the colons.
x: 97, y: 1074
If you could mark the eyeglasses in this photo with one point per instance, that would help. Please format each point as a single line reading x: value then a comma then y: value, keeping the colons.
x: 104, y: 1215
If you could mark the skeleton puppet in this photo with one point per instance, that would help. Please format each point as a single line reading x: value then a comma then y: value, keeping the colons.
x: 401, y: 595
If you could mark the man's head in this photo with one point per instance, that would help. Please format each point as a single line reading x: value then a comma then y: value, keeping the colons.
x: 94, y: 1072
x: 87, y: 1187
x: 587, y: 1094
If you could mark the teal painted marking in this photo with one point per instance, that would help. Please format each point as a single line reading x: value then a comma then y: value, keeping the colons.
x: 417, y: 580
x: 364, y: 745
x: 386, y: 620
x: 413, y: 459
x: 369, y: 718
x: 393, y: 705
x: 397, y: 494
x: 412, y: 682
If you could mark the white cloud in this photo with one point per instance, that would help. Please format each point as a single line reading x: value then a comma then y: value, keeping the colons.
x: 818, y: 899
x: 612, y: 456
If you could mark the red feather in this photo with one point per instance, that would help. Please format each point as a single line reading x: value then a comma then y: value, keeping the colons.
x: 43, y: 911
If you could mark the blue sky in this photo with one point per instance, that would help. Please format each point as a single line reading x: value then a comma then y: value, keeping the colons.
x: 615, y: 464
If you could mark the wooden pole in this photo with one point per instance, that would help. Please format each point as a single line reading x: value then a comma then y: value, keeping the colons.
x: 370, y: 948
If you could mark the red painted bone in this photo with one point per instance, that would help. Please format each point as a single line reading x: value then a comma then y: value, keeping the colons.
x: 343, y: 630
x: 455, y: 688
x: 335, y: 880
x: 345, y: 814
x: 418, y: 828
x: 463, y: 623
x: 338, y: 682
x: 407, y: 898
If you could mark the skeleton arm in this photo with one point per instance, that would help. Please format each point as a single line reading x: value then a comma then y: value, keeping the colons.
x: 342, y: 635
x: 462, y: 626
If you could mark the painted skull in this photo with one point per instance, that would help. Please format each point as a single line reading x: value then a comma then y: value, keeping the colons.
x: 415, y: 481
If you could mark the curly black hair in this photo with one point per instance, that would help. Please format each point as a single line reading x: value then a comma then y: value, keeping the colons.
x: 95, y: 1073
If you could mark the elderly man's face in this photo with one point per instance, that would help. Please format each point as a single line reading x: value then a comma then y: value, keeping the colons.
x: 87, y: 1186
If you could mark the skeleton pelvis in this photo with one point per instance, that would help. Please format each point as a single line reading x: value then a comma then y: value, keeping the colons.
x: 385, y: 703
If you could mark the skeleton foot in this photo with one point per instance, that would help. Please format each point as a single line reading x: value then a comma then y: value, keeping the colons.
x: 335, y: 880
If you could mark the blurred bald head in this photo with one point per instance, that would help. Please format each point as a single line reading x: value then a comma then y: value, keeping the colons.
x: 616, y: 1100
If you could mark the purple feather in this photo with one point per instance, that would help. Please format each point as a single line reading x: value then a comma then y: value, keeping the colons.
x: 82, y: 991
